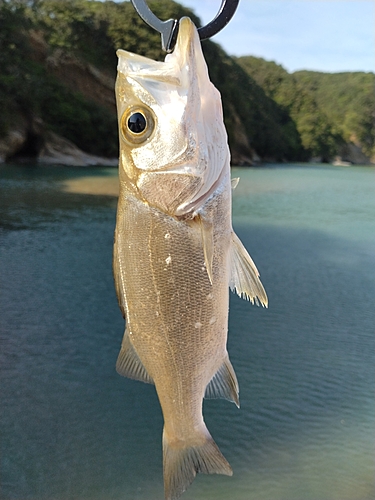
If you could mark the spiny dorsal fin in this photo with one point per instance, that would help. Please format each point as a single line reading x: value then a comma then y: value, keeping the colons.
x: 208, y: 243
x: 224, y: 384
x: 128, y: 363
x: 244, y: 274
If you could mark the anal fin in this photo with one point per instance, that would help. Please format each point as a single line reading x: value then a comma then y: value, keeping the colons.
x: 244, y: 274
x: 224, y: 384
x: 128, y: 363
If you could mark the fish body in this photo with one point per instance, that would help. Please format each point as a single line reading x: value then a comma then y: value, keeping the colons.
x: 175, y: 253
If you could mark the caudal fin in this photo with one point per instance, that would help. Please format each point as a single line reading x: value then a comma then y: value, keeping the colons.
x: 182, y: 462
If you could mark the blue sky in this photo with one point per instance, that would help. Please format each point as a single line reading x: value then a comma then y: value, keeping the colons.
x: 322, y: 35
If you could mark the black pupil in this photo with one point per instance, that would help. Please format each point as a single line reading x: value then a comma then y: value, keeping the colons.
x: 137, y: 123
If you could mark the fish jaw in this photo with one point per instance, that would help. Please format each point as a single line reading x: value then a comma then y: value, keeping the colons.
x: 186, y: 150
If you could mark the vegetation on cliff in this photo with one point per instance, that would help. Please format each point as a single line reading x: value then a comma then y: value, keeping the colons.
x: 330, y: 110
x: 30, y: 91
x: 58, y: 65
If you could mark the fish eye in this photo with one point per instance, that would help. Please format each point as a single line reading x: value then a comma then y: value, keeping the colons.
x: 137, y: 124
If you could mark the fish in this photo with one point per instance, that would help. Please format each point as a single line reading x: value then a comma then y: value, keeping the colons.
x: 175, y: 252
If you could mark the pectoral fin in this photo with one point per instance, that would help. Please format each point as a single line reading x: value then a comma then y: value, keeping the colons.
x: 224, y: 384
x: 234, y: 182
x: 118, y: 277
x: 244, y: 274
x: 208, y: 243
x: 128, y: 363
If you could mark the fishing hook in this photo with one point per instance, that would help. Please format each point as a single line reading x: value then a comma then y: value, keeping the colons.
x: 169, y: 29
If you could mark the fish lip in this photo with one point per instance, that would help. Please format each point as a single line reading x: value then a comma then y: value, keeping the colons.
x: 186, y: 32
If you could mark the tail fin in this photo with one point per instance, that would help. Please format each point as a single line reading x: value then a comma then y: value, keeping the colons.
x: 182, y: 462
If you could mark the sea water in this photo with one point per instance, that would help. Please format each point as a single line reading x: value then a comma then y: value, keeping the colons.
x: 71, y: 428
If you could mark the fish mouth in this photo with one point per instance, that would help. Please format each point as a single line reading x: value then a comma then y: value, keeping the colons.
x: 187, y: 52
x: 186, y: 34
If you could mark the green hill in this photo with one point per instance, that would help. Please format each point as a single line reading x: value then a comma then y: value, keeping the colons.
x: 332, y: 111
x: 58, y: 67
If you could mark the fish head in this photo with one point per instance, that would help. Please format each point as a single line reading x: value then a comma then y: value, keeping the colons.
x: 173, y: 143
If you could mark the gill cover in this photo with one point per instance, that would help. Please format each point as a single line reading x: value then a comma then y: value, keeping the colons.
x: 173, y: 143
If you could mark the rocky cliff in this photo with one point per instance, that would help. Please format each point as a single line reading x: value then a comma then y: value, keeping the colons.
x: 28, y: 138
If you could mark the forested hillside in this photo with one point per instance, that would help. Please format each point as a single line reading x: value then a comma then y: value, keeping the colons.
x: 332, y: 111
x: 58, y: 67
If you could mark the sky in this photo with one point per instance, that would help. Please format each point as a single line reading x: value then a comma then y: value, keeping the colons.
x: 320, y: 35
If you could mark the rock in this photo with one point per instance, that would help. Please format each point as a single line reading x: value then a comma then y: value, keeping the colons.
x: 38, y: 45
x: 240, y: 160
x: 242, y: 154
x: 353, y: 154
x: 28, y: 140
x: 83, y: 77
x: 316, y: 159
x: 13, y: 141
x: 61, y: 151
x: 23, y: 140
x: 339, y: 162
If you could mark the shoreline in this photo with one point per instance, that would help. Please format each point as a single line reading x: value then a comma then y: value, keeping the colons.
x: 108, y: 185
x: 100, y: 186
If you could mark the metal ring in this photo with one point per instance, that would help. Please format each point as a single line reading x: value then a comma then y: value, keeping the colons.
x: 222, y: 18
x: 169, y: 29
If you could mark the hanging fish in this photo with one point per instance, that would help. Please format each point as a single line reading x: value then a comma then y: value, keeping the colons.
x: 175, y: 252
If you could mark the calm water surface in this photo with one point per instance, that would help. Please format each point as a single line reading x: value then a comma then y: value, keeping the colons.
x: 73, y: 429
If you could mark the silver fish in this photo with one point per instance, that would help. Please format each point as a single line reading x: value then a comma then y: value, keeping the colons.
x: 175, y: 252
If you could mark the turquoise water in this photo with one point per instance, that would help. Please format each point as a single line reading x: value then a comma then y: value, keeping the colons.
x: 73, y: 429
